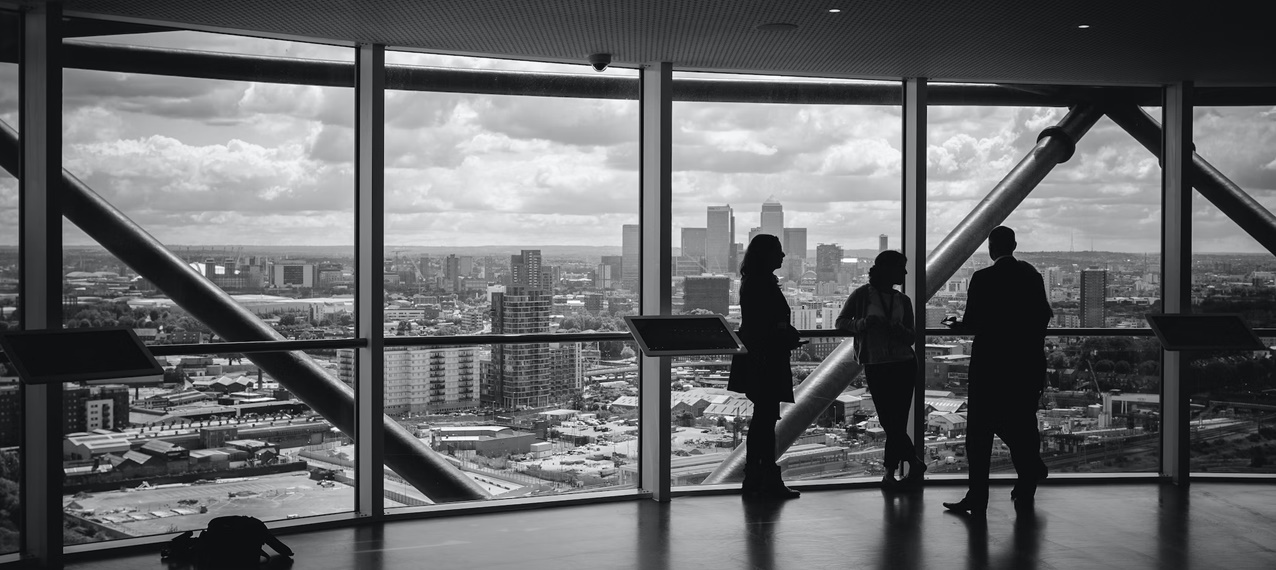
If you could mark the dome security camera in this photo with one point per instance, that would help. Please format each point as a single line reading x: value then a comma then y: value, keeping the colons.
x: 599, y: 61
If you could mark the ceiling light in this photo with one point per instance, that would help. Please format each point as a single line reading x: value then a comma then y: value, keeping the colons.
x: 1083, y: 27
x: 834, y: 10
x: 777, y: 27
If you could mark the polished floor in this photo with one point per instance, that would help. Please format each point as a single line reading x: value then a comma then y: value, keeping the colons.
x: 1126, y: 526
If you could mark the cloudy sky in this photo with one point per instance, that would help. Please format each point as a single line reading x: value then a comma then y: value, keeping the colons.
x: 223, y: 163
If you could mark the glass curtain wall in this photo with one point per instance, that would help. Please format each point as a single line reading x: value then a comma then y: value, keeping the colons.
x: 1091, y: 227
x: 823, y: 178
x: 10, y: 393
x: 1233, y: 425
x: 250, y: 184
x: 512, y: 214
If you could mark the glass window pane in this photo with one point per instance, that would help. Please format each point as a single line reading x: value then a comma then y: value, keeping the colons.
x: 249, y: 183
x: 587, y: 440
x: 825, y: 180
x: 10, y: 393
x: 507, y: 214
x: 1091, y: 227
x: 219, y: 436
x: 1231, y: 430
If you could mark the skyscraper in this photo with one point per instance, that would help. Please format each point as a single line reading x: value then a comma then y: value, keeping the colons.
x: 1094, y: 287
x: 773, y: 218
x: 709, y: 292
x: 828, y: 260
x: 794, y: 240
x: 520, y: 373
x: 609, y: 271
x: 693, y: 242
x: 882, y: 243
x: 629, y: 243
x: 1050, y: 279
x: 720, y: 239
x: 526, y: 270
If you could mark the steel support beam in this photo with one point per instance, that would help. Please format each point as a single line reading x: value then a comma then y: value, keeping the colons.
x: 369, y: 286
x: 300, y: 374
x: 40, y: 267
x: 1229, y: 198
x: 1055, y: 145
x: 1176, y: 274
x: 655, y: 212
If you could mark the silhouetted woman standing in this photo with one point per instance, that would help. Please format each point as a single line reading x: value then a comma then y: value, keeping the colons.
x: 882, y: 320
x: 763, y: 374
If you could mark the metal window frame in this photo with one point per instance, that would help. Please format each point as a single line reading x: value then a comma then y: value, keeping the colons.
x: 1176, y: 273
x: 913, y: 211
x: 655, y: 273
x: 369, y: 286
x: 40, y: 279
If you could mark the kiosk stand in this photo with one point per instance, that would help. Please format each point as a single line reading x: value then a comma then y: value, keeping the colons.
x: 684, y: 335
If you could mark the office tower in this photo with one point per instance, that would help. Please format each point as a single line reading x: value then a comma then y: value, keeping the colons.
x: 720, y: 239
x: 804, y: 319
x: 693, y: 242
x: 609, y: 271
x: 795, y: 242
x: 773, y: 218
x: 519, y: 373
x: 709, y: 292
x: 828, y: 260
x: 526, y: 270
x: 881, y: 243
x: 630, y: 238
x: 466, y: 265
x: 1094, y: 287
x: 1050, y: 279
x: 691, y: 262
x: 452, y: 273
x: 754, y: 232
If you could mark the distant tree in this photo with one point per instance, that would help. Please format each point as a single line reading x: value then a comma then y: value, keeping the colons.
x: 288, y: 320
x: 1122, y: 367
x: 1104, y: 366
x: 1149, y: 368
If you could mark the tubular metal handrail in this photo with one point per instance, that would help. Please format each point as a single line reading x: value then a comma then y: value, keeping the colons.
x: 828, y: 380
x: 300, y: 374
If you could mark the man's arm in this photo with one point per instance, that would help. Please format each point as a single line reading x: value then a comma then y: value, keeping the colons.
x: 1043, y: 303
x: 974, y: 307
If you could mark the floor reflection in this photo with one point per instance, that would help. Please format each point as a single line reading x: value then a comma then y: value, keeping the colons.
x: 901, y: 530
x: 760, y: 520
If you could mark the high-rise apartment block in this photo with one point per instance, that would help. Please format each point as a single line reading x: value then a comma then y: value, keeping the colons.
x: 828, y: 260
x: 520, y: 373
x: 804, y: 319
x: 630, y: 238
x: 1094, y: 290
x: 423, y: 380
x: 526, y: 270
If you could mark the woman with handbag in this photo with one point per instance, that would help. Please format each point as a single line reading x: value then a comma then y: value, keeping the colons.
x: 763, y: 374
x: 882, y: 320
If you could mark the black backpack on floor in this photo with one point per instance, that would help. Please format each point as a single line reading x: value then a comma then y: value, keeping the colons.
x: 229, y: 542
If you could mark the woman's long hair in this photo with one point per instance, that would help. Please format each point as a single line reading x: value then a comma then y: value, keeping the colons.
x: 759, y: 247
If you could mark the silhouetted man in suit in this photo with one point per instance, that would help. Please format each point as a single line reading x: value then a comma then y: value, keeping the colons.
x: 1007, y: 310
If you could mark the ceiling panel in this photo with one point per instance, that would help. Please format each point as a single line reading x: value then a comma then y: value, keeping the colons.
x: 990, y: 40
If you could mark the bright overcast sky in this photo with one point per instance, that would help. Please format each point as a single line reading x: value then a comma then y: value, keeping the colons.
x: 226, y: 163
